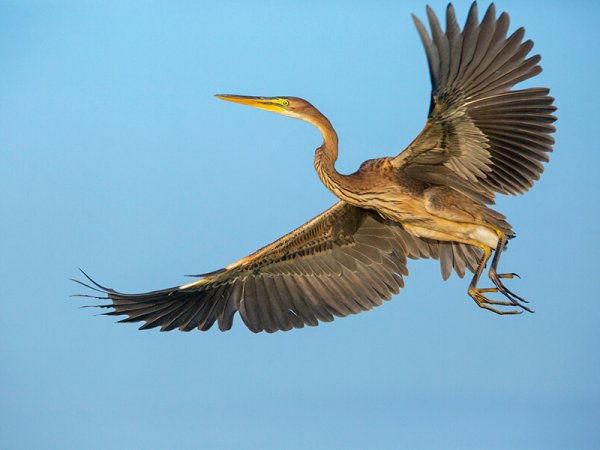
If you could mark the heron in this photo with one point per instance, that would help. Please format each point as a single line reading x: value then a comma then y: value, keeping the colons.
x: 482, y: 137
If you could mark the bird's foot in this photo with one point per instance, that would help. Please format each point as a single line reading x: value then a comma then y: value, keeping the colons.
x: 514, y: 298
x: 496, y: 277
x: 485, y: 302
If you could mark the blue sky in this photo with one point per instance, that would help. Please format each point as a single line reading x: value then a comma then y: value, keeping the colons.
x: 115, y: 157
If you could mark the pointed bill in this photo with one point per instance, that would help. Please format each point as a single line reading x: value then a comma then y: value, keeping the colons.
x: 275, y: 104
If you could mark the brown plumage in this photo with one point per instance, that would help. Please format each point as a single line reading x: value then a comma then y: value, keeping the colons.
x: 431, y: 201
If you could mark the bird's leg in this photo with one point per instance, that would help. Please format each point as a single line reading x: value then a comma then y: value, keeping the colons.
x: 496, y: 277
x: 477, y: 294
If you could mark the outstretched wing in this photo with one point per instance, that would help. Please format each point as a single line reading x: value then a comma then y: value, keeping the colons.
x: 481, y: 136
x: 344, y: 261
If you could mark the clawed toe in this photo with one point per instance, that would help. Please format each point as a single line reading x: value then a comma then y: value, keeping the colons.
x: 515, y: 299
x: 508, y: 275
x: 485, y: 302
x: 497, y: 311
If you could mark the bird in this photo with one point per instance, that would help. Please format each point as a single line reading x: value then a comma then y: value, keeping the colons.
x: 482, y: 137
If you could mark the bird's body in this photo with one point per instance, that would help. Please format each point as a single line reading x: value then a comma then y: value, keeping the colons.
x: 430, y: 201
x: 425, y: 210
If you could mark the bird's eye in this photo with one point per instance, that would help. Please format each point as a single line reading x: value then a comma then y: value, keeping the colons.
x: 285, y: 103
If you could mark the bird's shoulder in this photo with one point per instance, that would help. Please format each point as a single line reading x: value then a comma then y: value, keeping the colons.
x: 377, y: 167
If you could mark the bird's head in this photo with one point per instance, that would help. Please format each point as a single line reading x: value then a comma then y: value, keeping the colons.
x: 287, y: 106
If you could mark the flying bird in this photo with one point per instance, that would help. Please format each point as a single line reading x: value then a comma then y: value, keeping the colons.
x: 481, y: 138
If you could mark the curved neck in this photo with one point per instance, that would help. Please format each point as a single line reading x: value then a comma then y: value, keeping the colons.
x: 327, y: 154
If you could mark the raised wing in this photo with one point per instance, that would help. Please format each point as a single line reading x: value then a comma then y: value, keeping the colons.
x: 344, y: 261
x: 481, y: 136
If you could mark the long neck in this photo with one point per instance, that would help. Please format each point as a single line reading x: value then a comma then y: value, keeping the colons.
x: 327, y: 154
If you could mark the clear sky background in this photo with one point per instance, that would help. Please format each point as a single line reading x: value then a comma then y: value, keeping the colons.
x: 115, y: 157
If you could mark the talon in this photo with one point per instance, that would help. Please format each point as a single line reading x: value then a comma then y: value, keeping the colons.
x: 516, y: 299
x: 508, y: 275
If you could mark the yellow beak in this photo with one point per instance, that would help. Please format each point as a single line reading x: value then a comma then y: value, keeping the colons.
x: 268, y: 103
